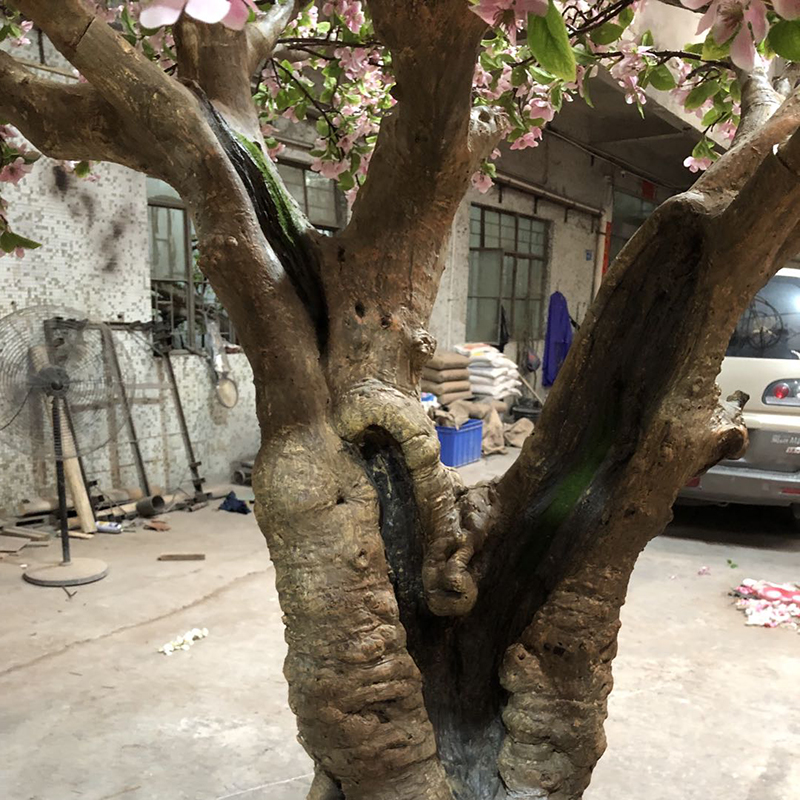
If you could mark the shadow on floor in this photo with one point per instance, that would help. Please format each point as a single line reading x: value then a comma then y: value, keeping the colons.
x: 761, y: 527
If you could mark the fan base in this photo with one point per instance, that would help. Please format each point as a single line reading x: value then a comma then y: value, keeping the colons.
x: 75, y: 573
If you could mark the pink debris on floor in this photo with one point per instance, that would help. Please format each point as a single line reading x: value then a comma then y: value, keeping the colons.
x: 769, y: 605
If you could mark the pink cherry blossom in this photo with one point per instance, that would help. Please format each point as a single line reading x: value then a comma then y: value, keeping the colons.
x: 354, y: 61
x: 509, y: 14
x: 15, y: 171
x: 330, y: 169
x: 540, y: 108
x: 22, y: 40
x: 529, y: 139
x: 349, y: 10
x: 231, y: 13
x: 744, y: 21
x: 482, y: 182
x: 698, y: 165
x: 788, y: 9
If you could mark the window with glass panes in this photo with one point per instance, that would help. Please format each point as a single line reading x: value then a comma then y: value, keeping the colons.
x: 506, y: 269
x: 183, y: 300
x: 318, y: 197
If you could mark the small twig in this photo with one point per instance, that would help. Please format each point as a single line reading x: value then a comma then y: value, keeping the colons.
x: 308, y: 94
x: 69, y: 594
x: 603, y: 17
x: 325, y: 42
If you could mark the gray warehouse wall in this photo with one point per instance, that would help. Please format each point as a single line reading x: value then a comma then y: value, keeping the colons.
x: 94, y: 259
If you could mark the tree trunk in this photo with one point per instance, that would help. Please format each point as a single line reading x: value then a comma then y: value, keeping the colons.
x: 443, y: 643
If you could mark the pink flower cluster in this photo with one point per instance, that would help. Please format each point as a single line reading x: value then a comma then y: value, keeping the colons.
x: 349, y: 10
x: 231, y: 13
x: 15, y: 171
x: 21, y: 41
x: 627, y: 69
x: 743, y: 23
x: 509, y: 14
x: 697, y: 164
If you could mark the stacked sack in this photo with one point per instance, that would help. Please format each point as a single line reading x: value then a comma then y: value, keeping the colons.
x: 447, y: 376
x: 492, y: 376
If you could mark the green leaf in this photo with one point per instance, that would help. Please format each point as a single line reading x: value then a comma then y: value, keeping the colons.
x: 712, y: 116
x: 549, y: 43
x: 518, y: 76
x: 647, y: 39
x: 700, y: 94
x: 11, y: 241
x: 82, y: 169
x: 346, y: 181
x: 661, y: 78
x: 696, y: 48
x: 539, y: 75
x: 784, y: 39
x: 625, y: 17
x: 703, y: 149
x: 713, y: 51
x: 606, y: 33
x: 587, y: 97
x: 736, y: 91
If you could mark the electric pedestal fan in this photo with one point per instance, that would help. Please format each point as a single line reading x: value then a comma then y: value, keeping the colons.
x: 57, y: 402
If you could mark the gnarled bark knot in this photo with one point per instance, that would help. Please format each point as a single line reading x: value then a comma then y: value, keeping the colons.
x: 727, y: 433
x: 453, y: 528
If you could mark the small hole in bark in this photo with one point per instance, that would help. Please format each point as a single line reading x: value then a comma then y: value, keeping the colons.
x: 340, y: 254
x: 339, y: 499
x: 360, y: 310
x: 559, y: 651
x: 386, y: 320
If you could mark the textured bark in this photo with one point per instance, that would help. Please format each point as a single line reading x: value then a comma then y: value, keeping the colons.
x: 443, y: 643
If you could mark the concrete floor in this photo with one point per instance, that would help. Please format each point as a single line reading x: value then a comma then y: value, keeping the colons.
x: 703, y: 707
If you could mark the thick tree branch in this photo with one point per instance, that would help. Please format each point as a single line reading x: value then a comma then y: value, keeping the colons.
x: 727, y: 175
x: 263, y: 35
x: 422, y: 158
x: 217, y: 60
x: 46, y: 113
x: 759, y: 100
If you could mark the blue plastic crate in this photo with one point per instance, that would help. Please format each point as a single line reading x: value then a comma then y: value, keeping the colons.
x: 463, y: 445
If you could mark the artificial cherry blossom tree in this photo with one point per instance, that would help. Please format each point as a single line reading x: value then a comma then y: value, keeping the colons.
x: 444, y: 643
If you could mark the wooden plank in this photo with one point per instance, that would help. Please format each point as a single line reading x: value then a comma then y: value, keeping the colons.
x: 25, y: 533
x: 182, y: 557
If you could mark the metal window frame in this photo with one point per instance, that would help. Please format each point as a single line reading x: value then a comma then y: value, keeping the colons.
x: 515, y: 254
x: 338, y: 197
x: 189, y: 283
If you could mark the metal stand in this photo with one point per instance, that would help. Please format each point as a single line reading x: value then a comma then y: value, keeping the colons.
x: 200, y: 495
x: 67, y: 572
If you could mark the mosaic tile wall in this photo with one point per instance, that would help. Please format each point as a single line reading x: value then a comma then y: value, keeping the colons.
x: 94, y: 259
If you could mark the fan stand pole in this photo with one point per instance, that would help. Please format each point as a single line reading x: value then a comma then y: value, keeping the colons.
x: 61, y: 484
x: 67, y: 572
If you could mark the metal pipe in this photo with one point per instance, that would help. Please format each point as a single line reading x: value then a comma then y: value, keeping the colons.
x: 60, y: 482
x: 126, y: 407
x: 545, y: 194
x: 197, y: 481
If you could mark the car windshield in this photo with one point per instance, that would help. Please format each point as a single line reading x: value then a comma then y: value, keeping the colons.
x: 770, y: 327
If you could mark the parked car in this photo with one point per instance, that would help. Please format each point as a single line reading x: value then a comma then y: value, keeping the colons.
x: 763, y: 359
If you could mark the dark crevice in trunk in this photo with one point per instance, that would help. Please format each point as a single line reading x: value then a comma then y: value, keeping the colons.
x: 457, y: 657
x: 460, y: 658
x: 292, y: 244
